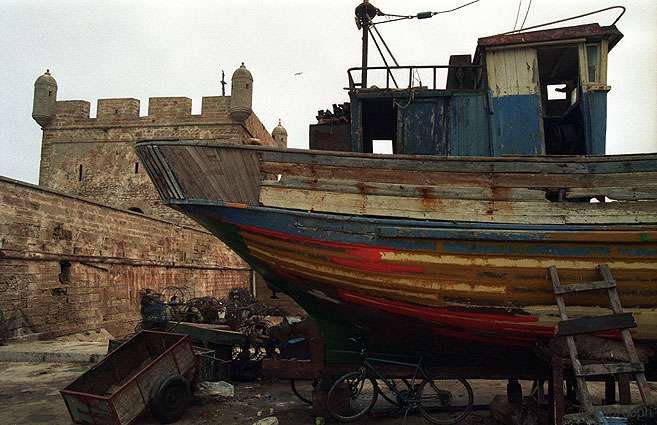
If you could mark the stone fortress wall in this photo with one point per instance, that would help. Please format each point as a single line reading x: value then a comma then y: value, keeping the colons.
x: 68, y: 265
x: 95, y: 157
x: 76, y: 250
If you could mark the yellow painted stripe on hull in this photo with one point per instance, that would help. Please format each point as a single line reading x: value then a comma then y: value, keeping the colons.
x: 536, y: 263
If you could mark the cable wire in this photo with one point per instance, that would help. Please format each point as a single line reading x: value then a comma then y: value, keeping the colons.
x: 515, y: 24
x: 526, y: 14
x: 456, y: 8
x: 421, y: 15
x: 570, y: 19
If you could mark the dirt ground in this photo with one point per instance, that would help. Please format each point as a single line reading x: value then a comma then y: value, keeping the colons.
x: 29, y: 394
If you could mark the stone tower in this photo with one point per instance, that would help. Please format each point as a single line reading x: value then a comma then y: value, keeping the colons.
x: 241, y: 94
x: 280, y: 135
x: 45, y: 99
x: 94, y: 158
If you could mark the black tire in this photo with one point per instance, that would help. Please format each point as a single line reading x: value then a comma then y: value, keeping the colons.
x: 445, y: 398
x: 303, y: 389
x: 352, y: 396
x: 169, y: 398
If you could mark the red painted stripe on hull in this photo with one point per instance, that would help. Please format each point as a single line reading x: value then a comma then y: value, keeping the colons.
x: 469, y: 336
x: 507, y: 326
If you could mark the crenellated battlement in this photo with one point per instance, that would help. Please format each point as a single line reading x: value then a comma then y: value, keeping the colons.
x: 169, y: 107
x: 73, y: 109
x: 116, y: 109
x: 126, y: 110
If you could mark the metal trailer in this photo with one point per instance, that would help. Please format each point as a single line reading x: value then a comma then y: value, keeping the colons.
x: 152, y: 370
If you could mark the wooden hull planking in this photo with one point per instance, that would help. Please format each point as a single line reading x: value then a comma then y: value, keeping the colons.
x: 456, y: 249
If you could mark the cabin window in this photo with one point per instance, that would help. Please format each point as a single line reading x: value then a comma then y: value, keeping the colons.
x: 593, y: 63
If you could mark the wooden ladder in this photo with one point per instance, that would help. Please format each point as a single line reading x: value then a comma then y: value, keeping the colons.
x: 568, y: 328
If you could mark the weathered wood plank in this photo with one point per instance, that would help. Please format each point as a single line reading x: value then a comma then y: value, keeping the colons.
x: 621, y: 181
x: 595, y: 324
x: 621, y: 192
x: 581, y: 287
x: 408, y: 190
x: 375, y: 175
x: 419, y: 163
x: 608, y: 369
x: 460, y: 209
x: 544, y: 180
x: 232, y: 175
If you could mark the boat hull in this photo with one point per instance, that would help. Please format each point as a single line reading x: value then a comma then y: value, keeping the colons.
x: 447, y: 255
x: 444, y: 290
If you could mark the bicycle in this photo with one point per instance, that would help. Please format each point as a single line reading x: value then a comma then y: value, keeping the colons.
x: 441, y: 398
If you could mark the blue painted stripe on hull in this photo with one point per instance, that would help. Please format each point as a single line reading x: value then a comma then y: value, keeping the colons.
x: 310, y: 218
x: 355, y: 230
x: 513, y: 249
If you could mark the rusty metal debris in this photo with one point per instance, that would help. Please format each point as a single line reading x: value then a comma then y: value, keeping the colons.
x: 240, y: 311
x: 341, y: 114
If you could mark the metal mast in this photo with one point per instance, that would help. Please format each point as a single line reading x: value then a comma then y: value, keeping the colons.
x: 365, y: 12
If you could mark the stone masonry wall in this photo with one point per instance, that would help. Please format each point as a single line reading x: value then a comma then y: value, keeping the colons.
x: 94, y: 158
x: 68, y: 265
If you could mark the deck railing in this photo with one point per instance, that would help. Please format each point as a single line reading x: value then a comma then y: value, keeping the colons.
x: 455, y: 77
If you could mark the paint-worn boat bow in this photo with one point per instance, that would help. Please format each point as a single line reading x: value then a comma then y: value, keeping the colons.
x: 455, y: 249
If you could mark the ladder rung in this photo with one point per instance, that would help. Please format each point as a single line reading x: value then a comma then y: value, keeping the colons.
x: 588, y: 286
x: 608, y: 369
x: 595, y: 324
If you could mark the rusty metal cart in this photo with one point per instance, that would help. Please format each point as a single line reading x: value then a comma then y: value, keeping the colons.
x: 152, y: 370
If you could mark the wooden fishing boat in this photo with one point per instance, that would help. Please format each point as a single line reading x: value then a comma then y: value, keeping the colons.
x: 445, y: 245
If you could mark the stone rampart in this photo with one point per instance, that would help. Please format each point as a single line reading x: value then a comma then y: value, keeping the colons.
x: 69, y: 265
x: 162, y: 111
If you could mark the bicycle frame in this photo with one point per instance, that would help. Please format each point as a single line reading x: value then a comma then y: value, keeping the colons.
x: 411, y: 398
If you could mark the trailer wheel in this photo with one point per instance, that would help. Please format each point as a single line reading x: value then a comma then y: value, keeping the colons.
x: 169, y: 398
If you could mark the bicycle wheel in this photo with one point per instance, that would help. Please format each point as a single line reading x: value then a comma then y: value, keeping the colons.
x: 445, y: 398
x: 351, y: 396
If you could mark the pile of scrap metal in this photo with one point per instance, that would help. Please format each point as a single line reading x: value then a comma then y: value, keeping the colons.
x: 341, y: 114
x: 239, y: 312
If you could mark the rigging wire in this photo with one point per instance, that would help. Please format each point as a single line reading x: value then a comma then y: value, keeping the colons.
x: 376, y: 43
x: 383, y: 41
x: 517, y: 15
x: 421, y: 15
x: 526, y: 14
x: 570, y: 19
x: 392, y: 18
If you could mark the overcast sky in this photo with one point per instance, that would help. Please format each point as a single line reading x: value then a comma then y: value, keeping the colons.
x: 297, y: 51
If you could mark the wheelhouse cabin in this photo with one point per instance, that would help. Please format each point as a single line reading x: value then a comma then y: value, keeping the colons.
x: 530, y: 93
